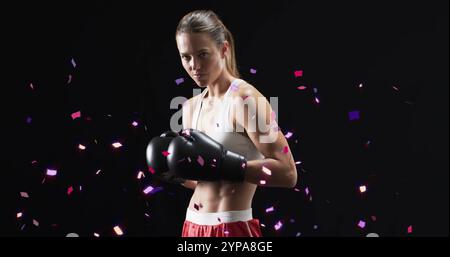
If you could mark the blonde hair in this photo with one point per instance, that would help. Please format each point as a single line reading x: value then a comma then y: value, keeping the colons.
x: 206, y: 21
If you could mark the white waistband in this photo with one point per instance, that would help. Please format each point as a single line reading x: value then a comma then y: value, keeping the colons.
x: 216, y: 218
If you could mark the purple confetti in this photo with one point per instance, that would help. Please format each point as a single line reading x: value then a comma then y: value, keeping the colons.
x: 353, y: 115
x: 179, y: 81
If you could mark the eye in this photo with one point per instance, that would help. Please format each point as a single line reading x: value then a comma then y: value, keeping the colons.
x: 204, y: 54
x: 185, y: 57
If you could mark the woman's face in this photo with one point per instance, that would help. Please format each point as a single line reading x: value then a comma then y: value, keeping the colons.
x: 201, y: 57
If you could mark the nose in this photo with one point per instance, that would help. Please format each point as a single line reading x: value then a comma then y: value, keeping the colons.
x: 194, y: 64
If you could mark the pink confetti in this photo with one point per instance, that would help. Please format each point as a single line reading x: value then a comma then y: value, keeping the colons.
x: 360, y: 85
x: 307, y: 191
x: 134, y: 124
x: 362, y: 189
x: 19, y: 215
x: 24, y: 194
x: 244, y: 98
x: 273, y: 116
x: 270, y: 209
x: 285, y: 149
x: 296, y: 190
x: 69, y: 190
x: 298, y: 162
x: 33, y: 162
x: 51, y: 172
x: 288, y: 135
x: 73, y: 63
x: 396, y: 89
x: 151, y: 170
x: 81, y: 147
x: 234, y: 87
x: 200, y: 160
x: 410, y: 229
x: 98, y: 171
x: 298, y: 73
x: 76, y: 115
x: 36, y: 223
x: 317, y: 100
x: 278, y: 225
x: 266, y: 170
x: 148, y: 190
x: 140, y: 175
x: 362, y: 224
x: 262, y: 182
x: 253, y: 71
x: 301, y: 87
x: 31, y: 86
x: 96, y: 235
x: 118, y: 230
x: 165, y: 153
x: 117, y: 145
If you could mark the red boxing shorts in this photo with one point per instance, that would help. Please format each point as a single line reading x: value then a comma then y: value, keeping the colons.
x: 221, y: 224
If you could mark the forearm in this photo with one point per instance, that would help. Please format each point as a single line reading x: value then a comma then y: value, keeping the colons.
x: 190, y: 184
x: 271, y: 173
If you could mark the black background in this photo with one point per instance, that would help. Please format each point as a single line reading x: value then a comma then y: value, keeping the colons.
x: 126, y: 66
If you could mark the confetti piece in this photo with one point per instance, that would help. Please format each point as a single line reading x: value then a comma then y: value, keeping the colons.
x: 262, y: 182
x: 317, y: 100
x: 117, y: 145
x: 140, y: 175
x: 98, y: 171
x: 270, y: 209
x: 51, y: 172
x: 288, y: 135
x: 360, y: 85
x: 81, y: 147
x: 72, y: 235
x: 278, y: 225
x: 266, y: 170
x: 24, y: 194
x: 315, y: 227
x: 374, y: 218
x: 200, y: 160
x: 298, y: 162
x: 148, y: 190
x: 301, y: 87
x: 315, y: 90
x: 226, y: 232
x: 19, y: 214
x: 32, y: 86
x: 296, y: 190
x: 410, y: 229
x: 96, y: 235
x: 395, y: 88
x: 36, y: 223
x: 80, y: 188
x: 28, y: 120
x: 307, y: 191
x: 118, y: 230
x: 73, y: 63
x: 362, y: 189
x: 292, y: 220
x: 253, y: 71
x: 362, y: 224
x: 298, y: 73
x: 69, y: 190
x: 372, y: 235
x: 285, y: 149
x: 76, y: 115
x: 179, y: 81
x: 234, y: 87
x: 298, y: 234
x: 151, y: 170
x: 196, y: 206
x: 69, y: 79
x: 353, y: 115
x: 165, y: 153
x: 33, y: 162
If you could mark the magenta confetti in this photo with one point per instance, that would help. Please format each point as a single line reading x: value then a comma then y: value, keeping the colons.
x: 253, y: 71
x: 298, y: 73
x: 69, y: 190
x: 76, y: 115
x: 270, y: 209
x: 285, y: 149
x: 148, y: 190
x: 51, y: 172
x: 200, y: 160
x: 165, y: 153
x: 151, y: 170
x: 278, y: 225
x: 288, y: 135
x: 179, y: 81
x: 301, y: 87
x: 410, y: 229
x: 362, y: 224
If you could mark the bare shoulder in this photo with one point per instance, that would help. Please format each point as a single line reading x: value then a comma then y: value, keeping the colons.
x: 246, y: 89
